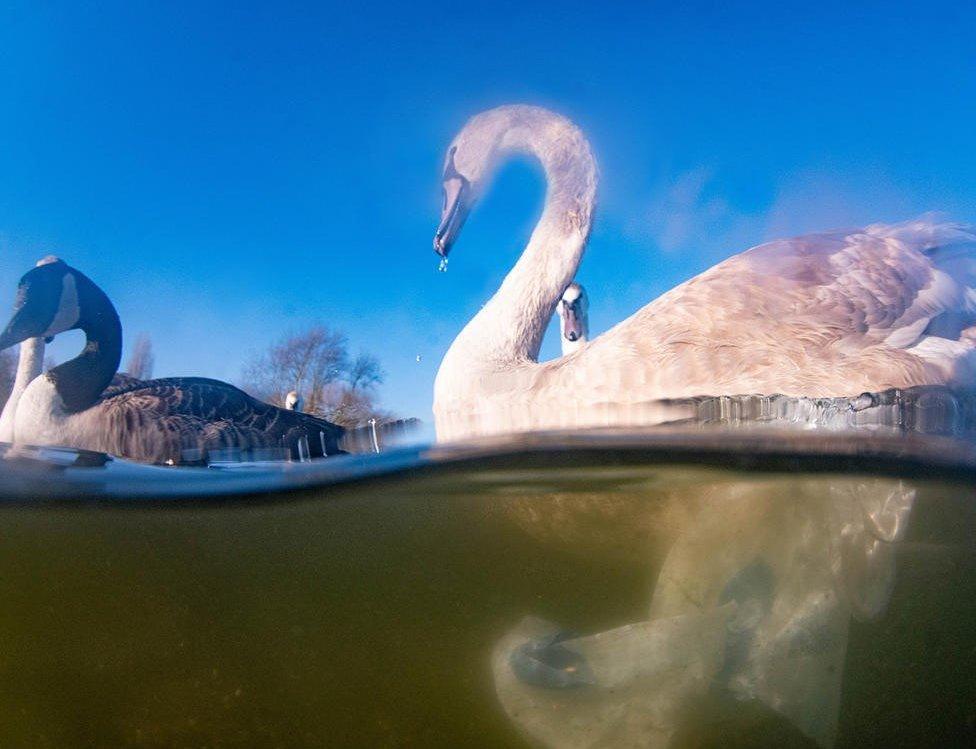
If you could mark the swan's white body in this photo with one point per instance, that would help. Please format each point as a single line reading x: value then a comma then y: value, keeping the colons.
x: 29, y: 366
x: 834, y: 314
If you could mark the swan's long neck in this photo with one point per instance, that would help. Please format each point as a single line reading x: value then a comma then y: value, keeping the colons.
x: 509, y: 328
x: 81, y: 380
x: 28, y: 367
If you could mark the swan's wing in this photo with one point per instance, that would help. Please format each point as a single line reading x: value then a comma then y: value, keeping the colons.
x: 891, y: 284
x: 947, y: 301
x: 156, y: 420
x: 886, y: 285
x: 823, y: 314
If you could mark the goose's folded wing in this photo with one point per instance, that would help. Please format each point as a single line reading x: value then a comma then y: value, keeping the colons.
x: 155, y: 418
x: 121, y: 382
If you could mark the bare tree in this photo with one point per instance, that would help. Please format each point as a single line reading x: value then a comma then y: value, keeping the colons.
x: 352, y: 408
x: 365, y: 373
x: 304, y: 362
x: 352, y: 403
x: 141, y: 361
x: 315, y: 364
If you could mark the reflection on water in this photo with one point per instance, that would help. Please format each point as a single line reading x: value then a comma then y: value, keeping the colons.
x: 500, y: 603
x: 373, y: 437
x: 924, y: 409
x: 752, y: 601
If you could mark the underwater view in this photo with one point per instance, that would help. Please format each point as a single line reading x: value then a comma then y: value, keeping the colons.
x: 496, y: 375
x: 678, y: 589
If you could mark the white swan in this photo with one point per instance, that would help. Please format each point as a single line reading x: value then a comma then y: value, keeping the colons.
x: 822, y: 315
x: 574, y: 320
x: 293, y: 401
x: 84, y: 403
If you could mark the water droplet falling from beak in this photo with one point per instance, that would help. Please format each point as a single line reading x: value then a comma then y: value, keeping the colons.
x: 442, y: 266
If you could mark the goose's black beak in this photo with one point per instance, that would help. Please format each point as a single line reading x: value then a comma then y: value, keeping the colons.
x: 47, y: 295
x: 20, y: 328
x: 456, y: 208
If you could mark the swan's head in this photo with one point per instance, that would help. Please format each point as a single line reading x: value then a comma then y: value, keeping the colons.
x: 46, y: 304
x: 487, y: 138
x: 467, y: 167
x: 293, y: 401
x: 573, y: 309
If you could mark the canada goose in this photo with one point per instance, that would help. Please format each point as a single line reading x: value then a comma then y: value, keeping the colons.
x: 77, y: 404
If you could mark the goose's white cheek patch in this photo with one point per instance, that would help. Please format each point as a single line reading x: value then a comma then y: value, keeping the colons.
x: 68, y: 310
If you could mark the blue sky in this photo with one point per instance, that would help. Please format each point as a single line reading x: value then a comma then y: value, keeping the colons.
x: 230, y: 171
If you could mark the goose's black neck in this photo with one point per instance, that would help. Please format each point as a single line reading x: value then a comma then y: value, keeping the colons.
x: 81, y: 380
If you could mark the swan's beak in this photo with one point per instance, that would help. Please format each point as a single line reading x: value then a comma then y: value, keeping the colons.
x: 572, y: 324
x: 456, y: 209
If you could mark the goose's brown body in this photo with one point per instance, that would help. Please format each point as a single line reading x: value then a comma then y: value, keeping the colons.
x: 85, y: 403
x: 166, y: 420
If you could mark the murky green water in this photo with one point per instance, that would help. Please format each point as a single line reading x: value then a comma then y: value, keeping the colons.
x: 601, y: 605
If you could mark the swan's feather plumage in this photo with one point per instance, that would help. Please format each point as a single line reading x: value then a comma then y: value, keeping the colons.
x: 824, y: 314
x: 830, y: 314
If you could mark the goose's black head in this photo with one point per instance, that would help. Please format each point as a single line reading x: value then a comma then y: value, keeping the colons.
x: 46, y: 304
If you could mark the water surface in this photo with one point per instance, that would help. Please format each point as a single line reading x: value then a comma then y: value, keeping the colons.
x: 596, y: 590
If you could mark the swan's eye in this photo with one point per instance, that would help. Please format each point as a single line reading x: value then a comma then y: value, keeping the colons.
x: 450, y: 171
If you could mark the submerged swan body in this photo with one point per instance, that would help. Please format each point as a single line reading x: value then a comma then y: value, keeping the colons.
x: 833, y: 314
x: 84, y: 403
